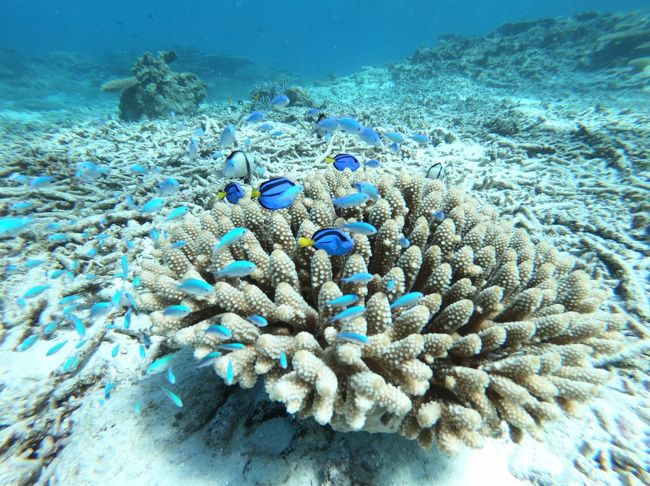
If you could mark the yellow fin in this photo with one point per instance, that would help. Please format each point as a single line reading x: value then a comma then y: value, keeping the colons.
x: 303, y: 242
x: 330, y: 160
x: 255, y: 193
x: 221, y: 195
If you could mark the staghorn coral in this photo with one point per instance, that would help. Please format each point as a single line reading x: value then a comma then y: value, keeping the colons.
x: 504, y: 332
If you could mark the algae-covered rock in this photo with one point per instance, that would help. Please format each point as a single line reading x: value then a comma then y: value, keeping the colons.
x: 158, y: 90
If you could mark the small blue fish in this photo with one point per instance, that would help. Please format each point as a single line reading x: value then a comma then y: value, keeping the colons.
x: 344, y: 161
x: 349, y: 313
x: 222, y: 331
x: 367, y: 188
x: 258, y: 320
x: 11, y: 226
x: 232, y: 346
x: 405, y: 300
x: 350, y: 125
x: 138, y: 407
x: 161, y: 363
x: 35, y: 291
x: 136, y: 281
x: 327, y: 124
x: 100, y: 309
x: 131, y: 300
x: 351, y: 200
x: 361, y: 277
x: 124, y: 261
x: 71, y: 363
x: 179, y: 244
x: 370, y: 137
x: 154, y: 234
x: 239, y: 268
x: 420, y: 138
x: 168, y: 186
x: 78, y: 325
x: 208, y: 359
x: 56, y: 348
x: 353, y: 337
x: 283, y: 360
x: 404, y: 242
x: 438, y: 216
x: 255, y: 117
x: 233, y: 193
x: 177, y: 311
x: 69, y: 298
x: 195, y: 286
x: 21, y: 303
x: 41, y: 181
x: 127, y: 318
x: 143, y: 351
x: 193, y: 148
x: 271, y: 193
x: 199, y: 132
x: 276, y: 133
x: 89, y: 171
x: 266, y: 127
x: 313, y: 112
x: 171, y: 377
x: 176, y: 400
x: 395, y: 137
x: 28, y: 342
x: 334, y: 241
x: 176, y: 213
x: 22, y: 206
x: 230, y: 375
x: 390, y: 285
x: 92, y: 253
x: 394, y: 147
x: 138, y: 169
x: 227, y: 136
x: 58, y: 238
x: 280, y: 101
x: 373, y: 164
x: 107, y: 390
x: 153, y: 205
x: 33, y: 263
x: 115, y: 350
x: 232, y: 237
x: 343, y: 301
x: 51, y: 327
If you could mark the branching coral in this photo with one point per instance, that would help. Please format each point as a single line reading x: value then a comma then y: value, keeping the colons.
x: 504, y: 332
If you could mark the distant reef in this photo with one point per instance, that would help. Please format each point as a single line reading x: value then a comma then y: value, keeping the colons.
x: 155, y: 90
x: 546, y: 51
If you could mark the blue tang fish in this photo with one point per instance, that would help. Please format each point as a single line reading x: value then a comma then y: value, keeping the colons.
x: 233, y: 192
x: 271, y: 193
x: 334, y: 241
x: 344, y: 161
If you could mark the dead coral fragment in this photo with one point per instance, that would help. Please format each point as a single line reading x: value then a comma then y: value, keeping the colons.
x: 474, y: 326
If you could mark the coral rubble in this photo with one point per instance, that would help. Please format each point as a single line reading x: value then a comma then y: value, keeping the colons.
x: 504, y: 332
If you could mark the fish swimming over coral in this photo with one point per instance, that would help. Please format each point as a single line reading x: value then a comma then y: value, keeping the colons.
x: 277, y: 193
x: 233, y: 193
x: 344, y: 161
x: 334, y: 241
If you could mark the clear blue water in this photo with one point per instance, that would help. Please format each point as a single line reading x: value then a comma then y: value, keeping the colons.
x: 307, y: 38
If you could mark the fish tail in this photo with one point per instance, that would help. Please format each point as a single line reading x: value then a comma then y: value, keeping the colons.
x: 255, y: 193
x: 330, y: 160
x: 221, y: 195
x: 304, y: 242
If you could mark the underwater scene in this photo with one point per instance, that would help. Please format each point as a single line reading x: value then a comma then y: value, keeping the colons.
x: 325, y: 243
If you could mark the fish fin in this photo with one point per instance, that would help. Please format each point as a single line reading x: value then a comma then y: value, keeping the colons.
x: 221, y: 195
x: 304, y: 242
x: 255, y: 193
x: 330, y: 160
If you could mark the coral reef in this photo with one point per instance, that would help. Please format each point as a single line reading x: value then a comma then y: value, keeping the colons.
x: 504, y: 330
x: 155, y: 90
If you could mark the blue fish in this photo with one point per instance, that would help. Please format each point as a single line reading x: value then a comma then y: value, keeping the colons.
x: 344, y: 161
x: 367, y: 188
x: 78, y: 325
x: 11, y: 226
x: 360, y: 227
x: 373, y: 164
x: 177, y: 311
x: 334, y: 241
x: 35, y: 291
x: 350, y: 125
x: 230, y: 238
x: 161, y: 363
x: 41, y: 181
x: 138, y: 169
x: 127, y: 318
x: 420, y: 137
x: 349, y: 313
x: 405, y: 300
x: 179, y: 244
x: 313, y: 112
x: 176, y: 213
x: 266, y: 127
x: 390, y: 285
x: 280, y: 101
x: 271, y: 193
x: 287, y: 198
x: 255, y: 117
x: 404, y: 242
x: 394, y: 136
x: 193, y: 148
x: 227, y: 136
x: 124, y: 261
x: 394, y: 147
x: 353, y: 337
x: 438, y: 216
x: 89, y: 171
x: 283, y: 360
x: 171, y: 377
x: 230, y: 375
x: 233, y: 192
x: 176, y: 400
x: 154, y: 234
x: 22, y: 206
x: 232, y: 346
x: 258, y: 320
x: 370, y: 137
x: 168, y: 186
x: 351, y: 200
x: 361, y: 277
x: 33, y: 263
x: 69, y: 298
x: 208, y: 359
x: 56, y: 348
x: 142, y: 351
x: 58, y: 238
x: 115, y: 351
x: 100, y: 309
x: 240, y: 268
x: 199, y: 132
x: 222, y: 331
x: 107, y: 390
x: 153, y: 205
x: 27, y: 343
x: 343, y: 301
x: 71, y: 363
x: 327, y: 124
x: 51, y: 327
x: 195, y: 286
